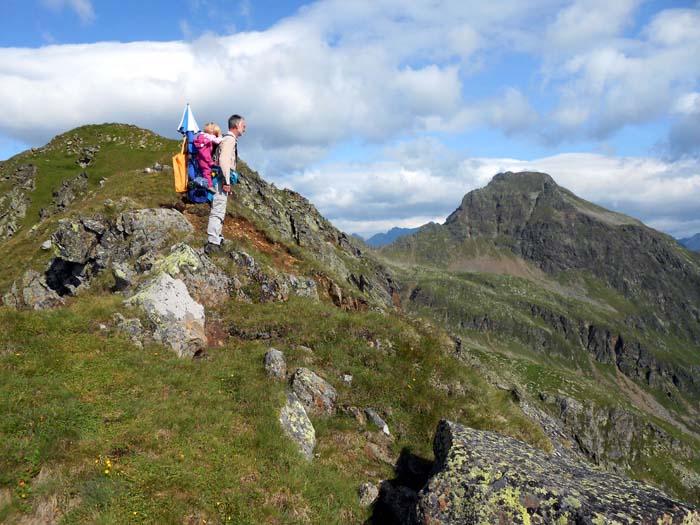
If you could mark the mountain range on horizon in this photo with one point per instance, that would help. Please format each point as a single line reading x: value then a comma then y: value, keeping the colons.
x: 692, y: 242
x: 309, y: 369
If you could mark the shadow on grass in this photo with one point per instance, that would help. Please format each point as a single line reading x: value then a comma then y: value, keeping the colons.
x: 398, y: 497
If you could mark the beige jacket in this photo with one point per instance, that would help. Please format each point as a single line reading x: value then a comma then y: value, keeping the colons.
x: 228, y: 155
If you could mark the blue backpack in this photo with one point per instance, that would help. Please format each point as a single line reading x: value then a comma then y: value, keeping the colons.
x: 196, y: 183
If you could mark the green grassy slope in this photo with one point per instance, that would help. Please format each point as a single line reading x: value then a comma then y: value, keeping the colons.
x: 96, y: 430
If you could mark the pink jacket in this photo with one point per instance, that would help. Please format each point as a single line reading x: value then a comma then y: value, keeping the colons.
x: 204, y: 142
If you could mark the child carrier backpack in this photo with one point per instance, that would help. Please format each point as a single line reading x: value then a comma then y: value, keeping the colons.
x: 196, y: 183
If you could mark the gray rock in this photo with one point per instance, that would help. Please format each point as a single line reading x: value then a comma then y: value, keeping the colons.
x: 301, y: 286
x: 15, y: 202
x: 13, y: 208
x: 275, y: 363
x: 130, y: 327
x: 207, y: 283
x: 152, y: 229
x: 374, y: 418
x: 316, y: 394
x: 296, y: 424
x: 46, y: 245
x: 73, y: 242
x: 32, y: 291
x: 483, y: 477
x: 347, y: 379
x: 178, y: 319
x: 69, y: 191
x: 368, y: 494
x: 123, y: 276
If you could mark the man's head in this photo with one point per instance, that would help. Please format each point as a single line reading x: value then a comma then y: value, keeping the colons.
x: 236, y: 125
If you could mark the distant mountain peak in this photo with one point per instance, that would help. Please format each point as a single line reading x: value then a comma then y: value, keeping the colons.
x: 530, y: 178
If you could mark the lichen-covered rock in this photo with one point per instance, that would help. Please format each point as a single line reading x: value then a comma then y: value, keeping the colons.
x: 178, y: 319
x: 123, y: 276
x: 301, y: 286
x: 483, y: 477
x: 207, y: 283
x: 368, y: 494
x: 273, y: 286
x: 131, y: 328
x: 377, y: 420
x: 65, y: 195
x: 152, y: 229
x: 32, y: 291
x: 316, y: 394
x: 275, y: 363
x: 73, y: 242
x: 296, y: 424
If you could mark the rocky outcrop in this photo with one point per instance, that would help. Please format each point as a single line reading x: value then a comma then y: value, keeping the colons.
x: 293, y: 218
x: 177, y: 318
x: 31, y: 292
x: 65, y: 195
x: 296, y: 424
x: 14, y: 203
x: 483, y: 477
x: 271, y: 284
x: 207, y: 283
x: 315, y: 393
x: 610, y: 436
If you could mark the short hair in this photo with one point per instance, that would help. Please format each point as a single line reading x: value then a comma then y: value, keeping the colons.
x: 211, y: 127
x: 233, y: 121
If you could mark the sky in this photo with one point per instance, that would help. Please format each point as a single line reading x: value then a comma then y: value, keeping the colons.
x: 384, y: 113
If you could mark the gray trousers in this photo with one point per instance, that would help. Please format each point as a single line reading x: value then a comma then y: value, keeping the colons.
x: 217, y: 214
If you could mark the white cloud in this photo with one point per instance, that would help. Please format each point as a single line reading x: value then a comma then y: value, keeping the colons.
x: 82, y: 8
x: 585, y: 22
x: 619, y: 82
x: 423, y: 180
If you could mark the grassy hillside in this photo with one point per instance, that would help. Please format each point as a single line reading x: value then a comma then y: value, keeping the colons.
x: 97, y: 430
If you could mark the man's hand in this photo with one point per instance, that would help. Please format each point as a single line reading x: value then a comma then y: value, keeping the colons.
x: 226, y: 188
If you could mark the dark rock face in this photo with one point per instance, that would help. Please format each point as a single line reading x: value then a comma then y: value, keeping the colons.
x: 32, y: 292
x: 86, y: 246
x: 14, y: 203
x: 483, y: 477
x: 65, y: 195
x: 551, y: 227
x: 295, y: 219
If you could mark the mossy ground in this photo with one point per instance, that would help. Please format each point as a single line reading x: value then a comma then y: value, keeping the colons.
x: 114, y: 434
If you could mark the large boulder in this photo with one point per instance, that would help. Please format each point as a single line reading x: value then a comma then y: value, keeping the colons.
x: 152, y: 229
x: 484, y: 477
x: 296, y: 424
x: 31, y: 291
x: 207, y: 283
x: 178, y: 319
x: 315, y: 393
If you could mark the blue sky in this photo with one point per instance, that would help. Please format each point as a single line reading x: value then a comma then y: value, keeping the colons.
x: 384, y: 113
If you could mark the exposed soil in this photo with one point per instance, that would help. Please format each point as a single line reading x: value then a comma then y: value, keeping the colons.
x: 237, y: 227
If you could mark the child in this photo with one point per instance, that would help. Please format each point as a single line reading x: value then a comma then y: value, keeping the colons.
x: 205, y: 142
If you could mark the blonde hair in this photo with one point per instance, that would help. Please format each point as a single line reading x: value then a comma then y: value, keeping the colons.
x: 213, y: 128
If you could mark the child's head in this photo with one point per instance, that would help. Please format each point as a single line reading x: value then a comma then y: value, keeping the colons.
x: 213, y: 128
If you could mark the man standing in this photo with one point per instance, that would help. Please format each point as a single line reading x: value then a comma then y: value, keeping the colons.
x: 227, y: 160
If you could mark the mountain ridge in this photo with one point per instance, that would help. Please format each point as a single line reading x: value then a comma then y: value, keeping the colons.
x: 520, y: 352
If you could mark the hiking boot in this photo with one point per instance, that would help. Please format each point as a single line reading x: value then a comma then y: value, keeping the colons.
x: 213, y: 249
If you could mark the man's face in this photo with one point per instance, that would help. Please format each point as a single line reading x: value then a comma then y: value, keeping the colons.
x: 241, y: 127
